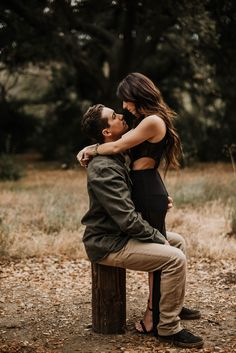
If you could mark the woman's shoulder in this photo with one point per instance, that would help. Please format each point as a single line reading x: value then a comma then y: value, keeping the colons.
x: 154, y: 120
x: 155, y: 117
x: 157, y: 125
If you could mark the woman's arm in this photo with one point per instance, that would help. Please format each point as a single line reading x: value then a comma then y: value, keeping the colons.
x: 150, y: 127
x: 83, y: 160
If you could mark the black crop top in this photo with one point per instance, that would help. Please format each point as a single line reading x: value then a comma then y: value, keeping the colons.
x: 145, y: 149
x: 149, y: 149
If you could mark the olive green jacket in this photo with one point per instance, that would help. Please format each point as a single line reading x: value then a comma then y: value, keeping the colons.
x: 111, y: 219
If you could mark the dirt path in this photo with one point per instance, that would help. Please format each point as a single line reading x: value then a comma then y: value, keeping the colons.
x: 45, y: 307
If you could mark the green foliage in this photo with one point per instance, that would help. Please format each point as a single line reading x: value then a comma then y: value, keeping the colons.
x: 60, y: 136
x: 19, y: 126
x: 84, y: 48
x: 9, y: 169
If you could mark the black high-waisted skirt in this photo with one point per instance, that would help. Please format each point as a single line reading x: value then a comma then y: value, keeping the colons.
x: 150, y: 197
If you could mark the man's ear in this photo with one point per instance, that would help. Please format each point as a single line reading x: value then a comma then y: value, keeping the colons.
x: 106, y: 132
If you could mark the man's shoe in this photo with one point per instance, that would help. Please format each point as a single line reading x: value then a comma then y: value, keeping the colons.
x: 183, y: 338
x: 189, y: 314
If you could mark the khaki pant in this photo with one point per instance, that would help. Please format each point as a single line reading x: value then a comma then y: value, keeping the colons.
x: 171, y: 260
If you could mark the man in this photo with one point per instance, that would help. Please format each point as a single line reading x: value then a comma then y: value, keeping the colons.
x: 116, y: 235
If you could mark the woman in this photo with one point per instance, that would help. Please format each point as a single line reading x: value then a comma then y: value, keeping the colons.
x: 152, y: 139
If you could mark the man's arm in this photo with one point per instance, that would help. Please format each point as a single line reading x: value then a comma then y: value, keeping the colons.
x: 111, y: 189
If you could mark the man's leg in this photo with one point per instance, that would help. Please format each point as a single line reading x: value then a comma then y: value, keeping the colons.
x: 178, y: 241
x: 152, y: 257
x: 175, y: 240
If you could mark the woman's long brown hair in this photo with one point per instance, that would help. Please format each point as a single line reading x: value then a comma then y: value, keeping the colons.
x: 148, y: 100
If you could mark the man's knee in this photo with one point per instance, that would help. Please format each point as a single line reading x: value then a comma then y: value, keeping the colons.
x: 180, y: 259
x: 177, y: 240
x: 175, y: 264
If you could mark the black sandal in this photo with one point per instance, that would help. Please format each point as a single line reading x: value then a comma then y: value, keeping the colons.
x: 145, y: 331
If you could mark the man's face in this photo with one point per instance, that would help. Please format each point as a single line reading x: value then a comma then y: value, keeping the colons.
x: 117, y: 125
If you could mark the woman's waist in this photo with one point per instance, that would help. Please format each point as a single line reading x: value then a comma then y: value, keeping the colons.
x: 147, y: 182
x: 149, y: 172
x: 145, y: 163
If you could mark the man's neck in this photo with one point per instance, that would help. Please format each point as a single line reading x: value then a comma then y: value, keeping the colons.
x: 110, y: 139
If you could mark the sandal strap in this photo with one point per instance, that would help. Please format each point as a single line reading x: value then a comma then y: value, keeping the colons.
x: 143, y: 326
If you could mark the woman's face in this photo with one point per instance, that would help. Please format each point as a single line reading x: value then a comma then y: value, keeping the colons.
x: 130, y: 106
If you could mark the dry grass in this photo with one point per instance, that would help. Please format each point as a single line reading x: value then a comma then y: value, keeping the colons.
x: 40, y: 214
x: 205, y: 197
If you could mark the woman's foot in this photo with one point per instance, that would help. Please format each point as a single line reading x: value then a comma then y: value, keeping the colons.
x: 145, y: 325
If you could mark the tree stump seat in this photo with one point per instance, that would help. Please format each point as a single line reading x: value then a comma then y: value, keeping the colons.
x: 108, y: 299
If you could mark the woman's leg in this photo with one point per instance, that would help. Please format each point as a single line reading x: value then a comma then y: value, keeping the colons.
x: 177, y: 241
x: 147, y: 318
x: 150, y: 280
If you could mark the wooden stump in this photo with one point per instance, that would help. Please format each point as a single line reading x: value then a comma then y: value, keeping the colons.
x: 108, y: 299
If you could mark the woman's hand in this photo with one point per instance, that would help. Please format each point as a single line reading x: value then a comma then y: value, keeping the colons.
x: 82, y: 159
x: 85, y: 155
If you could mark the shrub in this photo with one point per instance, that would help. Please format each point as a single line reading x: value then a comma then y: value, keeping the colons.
x: 233, y: 217
x: 9, y: 169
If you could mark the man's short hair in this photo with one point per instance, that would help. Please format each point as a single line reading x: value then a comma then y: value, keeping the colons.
x: 92, y: 123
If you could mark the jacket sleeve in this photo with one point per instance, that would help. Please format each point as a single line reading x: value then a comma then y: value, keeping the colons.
x: 111, y: 189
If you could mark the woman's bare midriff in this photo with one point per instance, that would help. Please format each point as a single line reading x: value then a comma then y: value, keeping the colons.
x: 143, y: 163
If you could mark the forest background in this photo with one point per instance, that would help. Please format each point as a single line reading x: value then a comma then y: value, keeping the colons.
x: 59, y: 57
